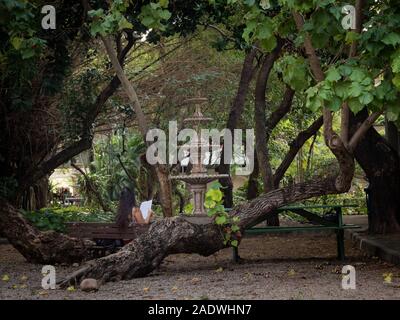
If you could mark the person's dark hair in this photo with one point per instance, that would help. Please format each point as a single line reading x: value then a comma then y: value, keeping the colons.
x: 126, y: 203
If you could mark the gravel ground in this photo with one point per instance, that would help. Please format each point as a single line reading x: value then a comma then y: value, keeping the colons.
x: 274, y: 267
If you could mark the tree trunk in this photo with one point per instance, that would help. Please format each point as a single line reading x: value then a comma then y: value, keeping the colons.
x: 392, y: 135
x: 381, y: 164
x: 252, y: 187
x: 261, y: 130
x: 39, y: 247
x: 177, y: 235
x: 233, y: 119
x: 165, y: 190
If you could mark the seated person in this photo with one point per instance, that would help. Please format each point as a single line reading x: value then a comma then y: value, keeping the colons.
x: 128, y: 212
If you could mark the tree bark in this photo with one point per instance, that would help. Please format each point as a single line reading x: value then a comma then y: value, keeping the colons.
x: 260, y: 119
x: 381, y: 165
x: 177, y: 235
x: 262, y: 132
x: 252, y: 187
x: 392, y: 135
x: 36, y: 246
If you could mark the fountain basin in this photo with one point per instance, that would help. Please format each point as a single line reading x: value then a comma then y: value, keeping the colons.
x: 199, y: 178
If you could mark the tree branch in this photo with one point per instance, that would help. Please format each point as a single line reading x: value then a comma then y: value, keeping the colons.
x: 295, y: 146
x: 345, y: 113
x: 332, y: 140
x: 282, y: 110
x: 362, y: 130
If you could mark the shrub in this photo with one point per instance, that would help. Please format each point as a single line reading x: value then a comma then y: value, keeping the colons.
x: 54, y: 218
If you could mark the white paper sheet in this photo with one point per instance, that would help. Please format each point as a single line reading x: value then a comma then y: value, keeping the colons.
x: 145, y: 208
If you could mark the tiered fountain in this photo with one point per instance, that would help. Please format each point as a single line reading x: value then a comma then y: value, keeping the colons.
x: 198, y: 176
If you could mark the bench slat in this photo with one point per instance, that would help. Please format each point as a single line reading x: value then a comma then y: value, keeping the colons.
x: 95, y: 230
x: 297, y: 229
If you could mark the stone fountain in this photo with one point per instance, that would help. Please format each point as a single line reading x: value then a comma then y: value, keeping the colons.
x: 198, y: 177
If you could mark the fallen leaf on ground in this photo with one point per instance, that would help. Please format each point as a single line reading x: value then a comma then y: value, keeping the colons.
x: 291, y: 272
x: 71, y: 288
x: 146, y: 289
x: 387, y: 277
x: 174, y: 289
x: 5, y: 277
x: 220, y: 269
x: 195, y: 280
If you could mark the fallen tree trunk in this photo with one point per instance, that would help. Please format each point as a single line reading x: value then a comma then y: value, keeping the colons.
x: 36, y: 246
x: 177, y: 235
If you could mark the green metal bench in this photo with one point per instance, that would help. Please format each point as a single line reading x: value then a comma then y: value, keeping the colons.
x: 319, y: 224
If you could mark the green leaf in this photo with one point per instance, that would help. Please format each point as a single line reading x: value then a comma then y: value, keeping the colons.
x: 220, y: 220
x: 351, y: 36
x: 264, y: 31
x: 163, y: 3
x: 325, y: 93
x: 333, y: 75
x: 236, y: 219
x: 396, y: 80
x: 355, y: 105
x: 357, y: 75
x: 366, y: 98
x: 355, y: 89
x: 16, y: 42
x: 234, y: 243
x: 345, y: 70
x: 147, y: 21
x: 391, y: 38
x: 396, y: 61
x: 214, y: 194
x: 268, y: 44
x: 164, y: 14
x: 335, y: 104
x: 210, y: 204
x: 124, y: 24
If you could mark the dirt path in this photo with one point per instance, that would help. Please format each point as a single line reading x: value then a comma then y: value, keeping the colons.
x: 274, y: 267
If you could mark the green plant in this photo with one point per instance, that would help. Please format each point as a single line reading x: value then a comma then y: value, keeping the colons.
x: 54, y: 218
x: 188, y: 209
x: 216, y: 210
